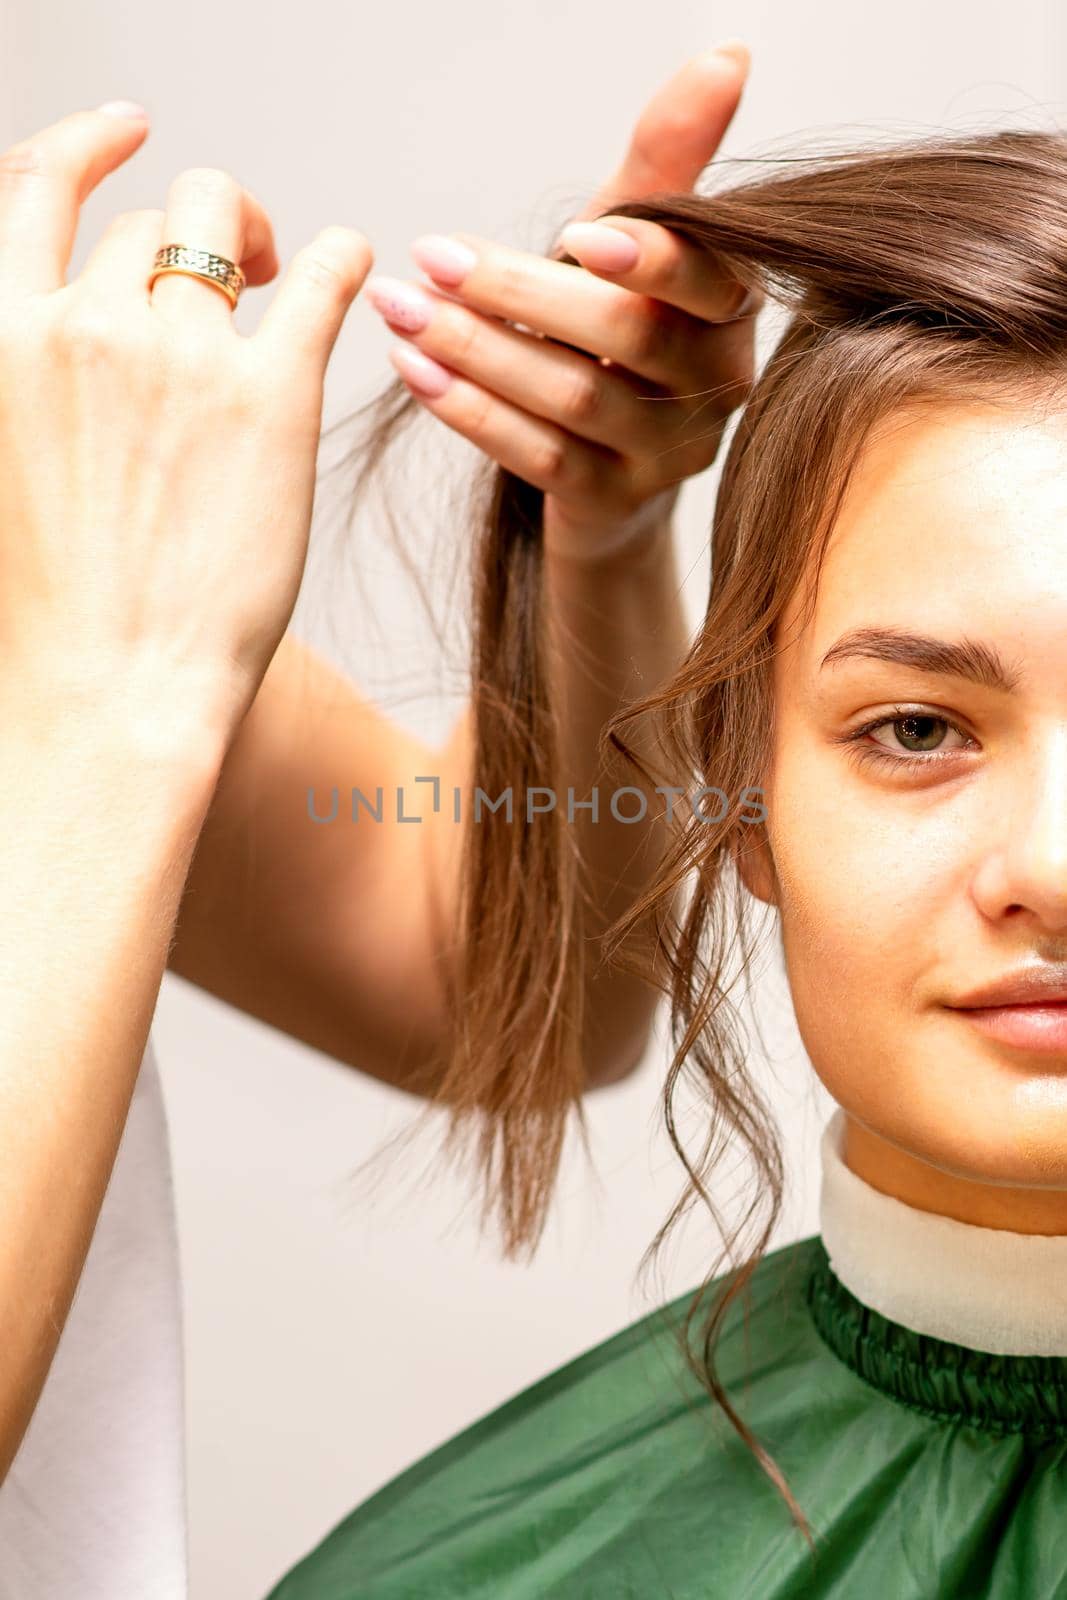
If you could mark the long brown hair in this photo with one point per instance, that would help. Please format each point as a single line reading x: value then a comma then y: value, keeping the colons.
x: 915, y: 272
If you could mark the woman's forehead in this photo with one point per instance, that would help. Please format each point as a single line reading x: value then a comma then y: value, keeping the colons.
x: 954, y: 522
x: 973, y: 455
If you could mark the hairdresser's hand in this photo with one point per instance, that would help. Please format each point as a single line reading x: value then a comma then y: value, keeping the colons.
x: 157, y: 467
x: 609, y: 440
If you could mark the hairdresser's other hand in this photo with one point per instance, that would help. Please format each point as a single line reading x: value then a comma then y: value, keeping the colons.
x: 662, y: 353
x: 157, y: 468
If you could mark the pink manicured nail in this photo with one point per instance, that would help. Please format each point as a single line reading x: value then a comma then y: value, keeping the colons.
x: 403, y: 305
x: 443, y: 259
x: 423, y: 374
x: 599, y: 246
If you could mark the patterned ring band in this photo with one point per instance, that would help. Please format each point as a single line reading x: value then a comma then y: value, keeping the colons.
x: 225, y: 275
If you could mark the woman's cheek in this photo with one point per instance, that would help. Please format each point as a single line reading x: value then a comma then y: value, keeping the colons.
x: 848, y: 913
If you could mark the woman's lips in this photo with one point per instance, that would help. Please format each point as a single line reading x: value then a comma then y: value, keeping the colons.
x: 1027, y: 1027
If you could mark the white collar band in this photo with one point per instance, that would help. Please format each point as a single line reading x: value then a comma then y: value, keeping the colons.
x: 987, y: 1288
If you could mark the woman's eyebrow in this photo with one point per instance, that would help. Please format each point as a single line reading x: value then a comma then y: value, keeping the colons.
x: 963, y: 658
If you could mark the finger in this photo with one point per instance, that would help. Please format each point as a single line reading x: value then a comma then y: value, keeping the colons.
x: 683, y: 124
x: 537, y: 451
x: 678, y: 131
x: 543, y: 377
x: 299, y: 328
x: 207, y: 209
x: 564, y: 302
x: 118, y: 265
x: 43, y: 182
x: 722, y: 368
x: 654, y: 260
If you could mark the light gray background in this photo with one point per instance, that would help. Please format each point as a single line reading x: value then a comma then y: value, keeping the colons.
x: 331, y: 1340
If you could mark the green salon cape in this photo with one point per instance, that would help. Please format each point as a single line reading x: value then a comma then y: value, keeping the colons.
x: 927, y: 1470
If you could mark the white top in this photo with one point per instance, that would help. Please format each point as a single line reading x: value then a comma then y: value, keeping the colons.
x: 93, y: 1506
x: 987, y: 1288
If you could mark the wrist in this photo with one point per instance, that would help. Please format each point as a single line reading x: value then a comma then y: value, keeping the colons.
x: 648, y: 557
x: 634, y: 539
x: 154, y: 721
x: 619, y: 552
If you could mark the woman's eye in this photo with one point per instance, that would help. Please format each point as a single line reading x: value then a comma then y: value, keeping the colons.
x: 920, y: 738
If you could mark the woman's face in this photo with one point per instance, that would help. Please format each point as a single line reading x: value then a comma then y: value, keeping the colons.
x: 904, y: 883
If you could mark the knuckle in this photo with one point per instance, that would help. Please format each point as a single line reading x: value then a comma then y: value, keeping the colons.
x: 641, y: 331
x: 478, y: 416
x: 22, y: 161
x: 349, y: 245
x: 88, y: 332
x: 239, y: 400
x: 463, y: 335
x: 320, y: 269
x: 670, y: 257
x: 583, y: 393
x: 511, y: 278
x: 549, y: 463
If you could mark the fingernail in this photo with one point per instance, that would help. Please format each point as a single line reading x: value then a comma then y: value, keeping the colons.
x: 420, y: 371
x: 123, y: 108
x: 736, y: 49
x: 599, y: 246
x: 403, y: 305
x: 444, y: 259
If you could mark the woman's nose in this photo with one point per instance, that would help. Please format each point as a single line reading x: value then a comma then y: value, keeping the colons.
x: 1025, y: 866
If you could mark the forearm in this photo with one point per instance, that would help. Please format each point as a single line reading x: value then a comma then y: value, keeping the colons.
x: 97, y: 828
x: 616, y: 632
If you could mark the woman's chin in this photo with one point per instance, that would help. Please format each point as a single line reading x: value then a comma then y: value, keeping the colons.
x: 999, y: 1110
x: 969, y: 1113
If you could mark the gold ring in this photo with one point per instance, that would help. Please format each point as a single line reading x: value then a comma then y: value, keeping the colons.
x: 225, y: 275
